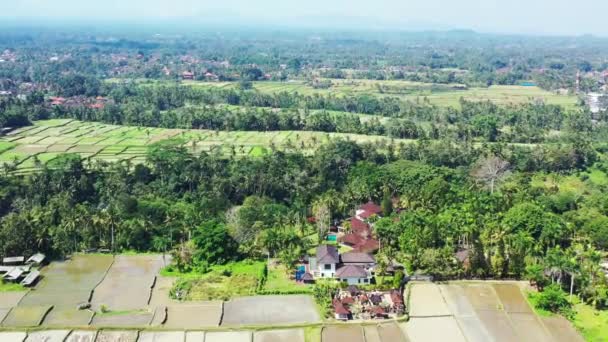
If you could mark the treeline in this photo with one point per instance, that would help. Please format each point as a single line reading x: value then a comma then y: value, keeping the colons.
x: 233, y: 109
x: 512, y: 222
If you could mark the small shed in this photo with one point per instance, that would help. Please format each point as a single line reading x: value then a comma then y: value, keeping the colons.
x: 14, y: 274
x: 13, y: 260
x: 31, y: 278
x: 307, y: 278
x: 6, y: 269
x: 36, y: 259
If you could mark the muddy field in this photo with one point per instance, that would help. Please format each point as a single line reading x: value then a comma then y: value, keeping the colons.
x: 231, y: 336
x: 391, y: 332
x: 82, y: 336
x: 66, y: 284
x: 4, y: 313
x: 262, y: 310
x: 25, y: 316
x: 561, y: 330
x: 426, y: 301
x: 162, y: 336
x: 343, y: 333
x: 479, y: 312
x: 194, y: 316
x: 10, y: 299
x: 371, y: 334
x: 511, y: 298
x: 125, y: 320
x: 427, y: 329
x: 117, y: 336
x: 195, y: 336
x: 12, y: 336
x: 529, y: 328
x: 160, y: 292
x: 128, y: 284
x: 61, y: 316
x: 292, y: 335
x: 47, y: 336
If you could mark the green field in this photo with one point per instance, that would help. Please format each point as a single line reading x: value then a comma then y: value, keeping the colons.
x: 29, y: 147
x: 440, y: 95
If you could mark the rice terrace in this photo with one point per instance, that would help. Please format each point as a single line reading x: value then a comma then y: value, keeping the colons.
x: 316, y: 171
x: 465, y: 311
x: 29, y: 148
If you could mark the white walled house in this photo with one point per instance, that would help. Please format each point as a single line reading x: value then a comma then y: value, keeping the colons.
x: 352, y: 267
x: 326, y: 262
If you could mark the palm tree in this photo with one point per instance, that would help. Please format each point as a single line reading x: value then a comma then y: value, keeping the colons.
x: 160, y: 243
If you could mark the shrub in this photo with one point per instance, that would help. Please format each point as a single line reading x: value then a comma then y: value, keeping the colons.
x: 554, y: 299
x: 262, y: 278
x: 398, y: 279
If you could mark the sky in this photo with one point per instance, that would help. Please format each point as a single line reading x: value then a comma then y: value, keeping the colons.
x: 538, y: 17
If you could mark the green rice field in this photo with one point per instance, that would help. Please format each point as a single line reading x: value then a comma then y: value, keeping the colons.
x: 28, y: 148
x: 440, y: 95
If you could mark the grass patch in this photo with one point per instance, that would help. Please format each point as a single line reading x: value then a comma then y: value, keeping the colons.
x: 10, y: 287
x: 222, y: 282
x: 593, y: 324
x: 258, y: 151
x: 111, y: 313
x: 6, y: 145
x: 279, y: 281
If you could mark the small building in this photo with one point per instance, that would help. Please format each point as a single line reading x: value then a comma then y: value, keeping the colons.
x: 378, y: 312
x: 6, y: 269
x: 13, y: 260
x: 57, y: 101
x: 340, y: 312
x: 31, y: 278
x: 358, y: 259
x: 352, y: 274
x: 396, y: 300
x: 211, y: 76
x: 368, y: 210
x: 187, y: 75
x: 307, y: 278
x: 327, y: 258
x: 14, y: 274
x: 36, y: 259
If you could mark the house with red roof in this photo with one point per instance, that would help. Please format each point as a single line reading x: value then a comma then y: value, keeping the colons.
x: 340, y: 311
x: 372, y: 305
x: 368, y: 210
x: 57, y: 101
x: 359, y: 232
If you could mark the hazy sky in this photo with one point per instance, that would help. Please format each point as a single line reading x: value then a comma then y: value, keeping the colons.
x: 571, y: 17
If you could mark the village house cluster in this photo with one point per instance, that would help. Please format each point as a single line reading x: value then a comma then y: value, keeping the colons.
x: 98, y: 102
x: 353, y: 303
x: 355, y: 266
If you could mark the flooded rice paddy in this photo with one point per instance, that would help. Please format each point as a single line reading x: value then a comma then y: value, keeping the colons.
x: 477, y: 312
x: 268, y: 310
x: 129, y: 286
